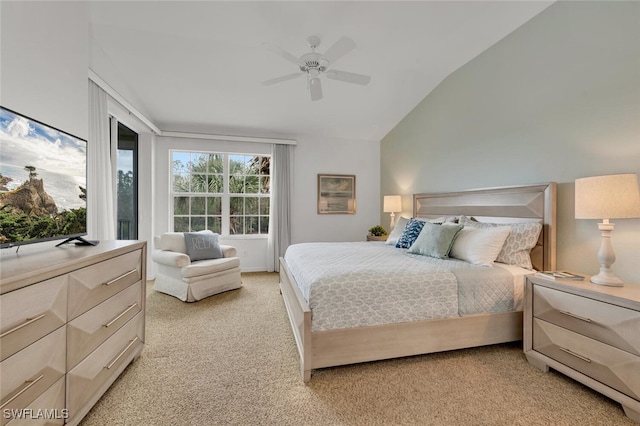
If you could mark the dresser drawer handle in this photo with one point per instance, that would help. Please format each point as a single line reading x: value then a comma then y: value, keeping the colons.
x: 110, y: 323
x: 575, y: 354
x: 28, y: 383
x: 575, y: 316
x: 124, y: 351
x: 120, y: 277
x: 24, y: 324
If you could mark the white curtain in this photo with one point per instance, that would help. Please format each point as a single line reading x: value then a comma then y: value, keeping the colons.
x: 280, y: 205
x: 101, y: 222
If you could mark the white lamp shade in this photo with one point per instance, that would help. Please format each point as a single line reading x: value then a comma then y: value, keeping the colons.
x: 392, y: 204
x: 607, y: 197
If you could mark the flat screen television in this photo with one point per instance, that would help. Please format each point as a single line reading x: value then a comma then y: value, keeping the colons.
x: 43, y: 181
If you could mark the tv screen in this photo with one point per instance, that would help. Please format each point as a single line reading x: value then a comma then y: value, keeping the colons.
x: 43, y: 178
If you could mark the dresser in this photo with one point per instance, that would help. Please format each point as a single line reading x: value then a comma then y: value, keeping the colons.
x: 589, y: 332
x: 71, y: 319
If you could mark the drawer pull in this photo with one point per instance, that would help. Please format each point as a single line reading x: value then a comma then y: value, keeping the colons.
x: 574, y: 354
x: 120, y: 277
x: 124, y: 351
x: 28, y: 383
x: 110, y: 323
x: 575, y: 316
x: 24, y: 324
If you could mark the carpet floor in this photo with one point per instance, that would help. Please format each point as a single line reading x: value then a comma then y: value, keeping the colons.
x: 231, y: 359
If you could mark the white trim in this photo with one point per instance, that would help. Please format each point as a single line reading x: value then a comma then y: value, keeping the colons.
x: 133, y: 111
x: 229, y: 138
x: 115, y: 95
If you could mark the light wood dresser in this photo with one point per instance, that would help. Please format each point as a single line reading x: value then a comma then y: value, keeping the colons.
x: 589, y: 332
x: 71, y: 319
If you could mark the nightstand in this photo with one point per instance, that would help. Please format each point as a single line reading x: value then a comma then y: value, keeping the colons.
x: 588, y: 332
x: 377, y: 238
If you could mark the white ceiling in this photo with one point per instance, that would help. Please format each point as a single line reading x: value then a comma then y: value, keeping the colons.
x: 197, y: 66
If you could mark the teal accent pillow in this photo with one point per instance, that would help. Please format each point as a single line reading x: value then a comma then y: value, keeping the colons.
x: 435, y: 240
x: 410, y: 233
x: 202, y: 245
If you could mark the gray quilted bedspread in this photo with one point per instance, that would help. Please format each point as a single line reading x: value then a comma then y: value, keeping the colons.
x: 370, y: 283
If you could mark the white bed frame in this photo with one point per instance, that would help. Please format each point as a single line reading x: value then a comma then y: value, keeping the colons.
x: 320, y: 349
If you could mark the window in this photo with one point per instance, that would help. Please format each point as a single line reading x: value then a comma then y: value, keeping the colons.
x: 225, y: 193
x: 127, y: 184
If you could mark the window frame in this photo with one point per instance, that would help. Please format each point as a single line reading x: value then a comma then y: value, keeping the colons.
x: 225, y: 196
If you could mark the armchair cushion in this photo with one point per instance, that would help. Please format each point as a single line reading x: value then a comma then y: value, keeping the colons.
x: 202, y: 245
x: 211, y: 266
x: 170, y: 258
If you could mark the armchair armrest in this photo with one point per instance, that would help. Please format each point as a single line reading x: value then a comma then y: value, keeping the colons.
x: 228, y: 251
x: 170, y: 258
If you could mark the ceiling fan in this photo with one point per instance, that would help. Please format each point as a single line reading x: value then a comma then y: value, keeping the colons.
x: 314, y: 64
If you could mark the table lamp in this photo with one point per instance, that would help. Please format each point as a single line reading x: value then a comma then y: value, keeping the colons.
x: 607, y: 197
x: 392, y: 204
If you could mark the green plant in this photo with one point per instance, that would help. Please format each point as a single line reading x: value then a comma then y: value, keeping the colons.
x: 377, y: 231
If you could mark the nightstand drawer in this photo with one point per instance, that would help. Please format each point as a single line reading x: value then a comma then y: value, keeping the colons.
x: 104, y: 364
x: 30, y: 313
x: 96, y: 283
x: 615, y: 368
x: 25, y: 375
x: 614, y: 325
x: 52, y: 400
x: 90, y: 329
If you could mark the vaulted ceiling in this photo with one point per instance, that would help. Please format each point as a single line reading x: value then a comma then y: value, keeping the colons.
x: 198, y: 66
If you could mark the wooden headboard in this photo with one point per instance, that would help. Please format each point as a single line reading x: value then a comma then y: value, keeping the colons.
x: 501, y: 205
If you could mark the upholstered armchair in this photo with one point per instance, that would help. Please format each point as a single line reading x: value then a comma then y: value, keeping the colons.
x: 192, y: 266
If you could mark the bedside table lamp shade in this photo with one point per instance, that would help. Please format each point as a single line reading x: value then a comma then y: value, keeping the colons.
x: 607, y: 197
x: 392, y: 204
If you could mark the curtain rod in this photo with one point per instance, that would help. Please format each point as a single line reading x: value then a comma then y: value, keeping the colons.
x: 229, y: 138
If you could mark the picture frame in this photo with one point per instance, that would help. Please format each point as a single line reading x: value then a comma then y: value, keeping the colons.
x: 336, y: 194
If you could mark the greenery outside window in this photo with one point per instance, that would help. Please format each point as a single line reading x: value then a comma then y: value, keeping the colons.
x: 225, y: 193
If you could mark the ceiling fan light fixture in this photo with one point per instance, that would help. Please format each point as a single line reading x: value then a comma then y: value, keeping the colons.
x: 315, y: 64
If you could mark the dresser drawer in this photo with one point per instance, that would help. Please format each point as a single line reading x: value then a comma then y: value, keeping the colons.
x: 96, y: 283
x: 613, y: 367
x: 104, y: 364
x: 31, y: 313
x: 89, y: 330
x: 614, y: 325
x: 25, y: 375
x: 47, y: 409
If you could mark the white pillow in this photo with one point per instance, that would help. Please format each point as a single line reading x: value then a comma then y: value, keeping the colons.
x: 479, y: 246
x: 396, y: 232
x: 517, y: 247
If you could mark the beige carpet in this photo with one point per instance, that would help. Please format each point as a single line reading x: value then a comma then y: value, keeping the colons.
x: 231, y: 360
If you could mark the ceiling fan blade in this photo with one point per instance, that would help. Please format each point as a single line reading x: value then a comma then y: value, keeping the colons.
x: 280, y: 52
x: 315, y: 88
x: 339, y: 49
x: 349, y: 77
x: 282, y: 78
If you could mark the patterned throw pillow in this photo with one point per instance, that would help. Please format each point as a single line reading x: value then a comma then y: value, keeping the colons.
x: 517, y: 248
x: 410, y: 233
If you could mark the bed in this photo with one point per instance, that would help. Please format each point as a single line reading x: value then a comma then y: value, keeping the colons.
x: 330, y: 329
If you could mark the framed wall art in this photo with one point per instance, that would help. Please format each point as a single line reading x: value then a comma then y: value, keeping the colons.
x: 336, y: 194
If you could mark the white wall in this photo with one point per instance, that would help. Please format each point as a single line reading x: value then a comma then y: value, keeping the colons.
x: 44, y: 57
x: 558, y: 99
x: 252, y: 250
x: 311, y: 156
x: 315, y: 155
x: 44, y: 60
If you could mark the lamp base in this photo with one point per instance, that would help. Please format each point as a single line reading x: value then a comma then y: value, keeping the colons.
x: 606, y: 257
x: 607, y: 278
